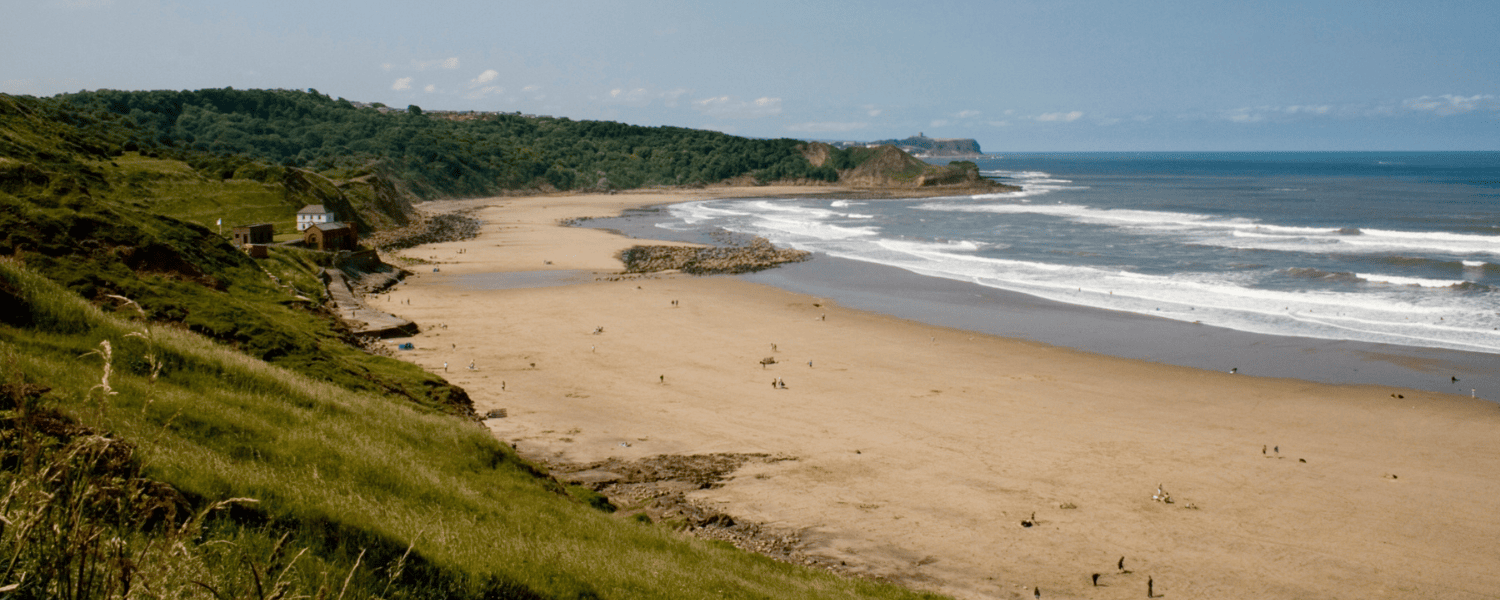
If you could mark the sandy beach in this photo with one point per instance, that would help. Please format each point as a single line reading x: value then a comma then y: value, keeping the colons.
x: 919, y: 450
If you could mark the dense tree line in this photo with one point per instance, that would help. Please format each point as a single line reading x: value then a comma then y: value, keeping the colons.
x: 433, y: 155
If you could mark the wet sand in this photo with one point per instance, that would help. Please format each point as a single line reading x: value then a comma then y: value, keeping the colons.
x: 920, y: 449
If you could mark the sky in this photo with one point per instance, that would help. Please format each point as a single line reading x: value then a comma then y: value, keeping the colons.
x: 1043, y: 76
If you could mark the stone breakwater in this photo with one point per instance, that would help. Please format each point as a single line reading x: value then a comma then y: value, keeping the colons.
x: 757, y: 255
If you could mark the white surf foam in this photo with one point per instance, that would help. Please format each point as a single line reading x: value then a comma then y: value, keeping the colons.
x: 1397, y: 310
x: 1413, y: 281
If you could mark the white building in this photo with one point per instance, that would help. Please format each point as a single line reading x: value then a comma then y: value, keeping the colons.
x: 313, y: 214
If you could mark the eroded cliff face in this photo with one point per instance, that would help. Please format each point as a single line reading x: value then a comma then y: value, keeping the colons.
x: 817, y: 153
x: 890, y: 167
x: 372, y: 202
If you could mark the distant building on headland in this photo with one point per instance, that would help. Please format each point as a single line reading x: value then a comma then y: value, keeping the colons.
x: 922, y: 146
x: 331, y: 236
x: 313, y: 214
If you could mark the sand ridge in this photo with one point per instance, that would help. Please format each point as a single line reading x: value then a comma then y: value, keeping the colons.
x: 919, y: 449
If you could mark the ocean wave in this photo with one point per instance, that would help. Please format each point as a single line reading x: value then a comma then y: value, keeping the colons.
x: 1071, y: 211
x: 1331, y: 303
x: 1032, y: 183
x: 1321, y: 275
x: 1241, y: 233
x: 1409, y: 281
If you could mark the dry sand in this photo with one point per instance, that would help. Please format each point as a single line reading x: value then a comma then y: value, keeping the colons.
x: 919, y: 450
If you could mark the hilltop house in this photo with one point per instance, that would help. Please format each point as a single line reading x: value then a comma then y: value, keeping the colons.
x: 331, y: 236
x: 313, y: 214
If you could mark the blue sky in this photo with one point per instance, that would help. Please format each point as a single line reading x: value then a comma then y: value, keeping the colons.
x: 1052, y: 75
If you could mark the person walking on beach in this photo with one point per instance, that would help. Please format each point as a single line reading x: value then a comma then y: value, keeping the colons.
x: 445, y: 366
x: 1096, y: 580
x: 1150, y: 588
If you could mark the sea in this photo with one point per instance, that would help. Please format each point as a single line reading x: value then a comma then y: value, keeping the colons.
x: 1394, y: 249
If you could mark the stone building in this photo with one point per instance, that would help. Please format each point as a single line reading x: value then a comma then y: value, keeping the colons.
x: 332, y: 236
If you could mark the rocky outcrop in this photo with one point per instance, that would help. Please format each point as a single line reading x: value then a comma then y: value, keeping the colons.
x: 888, y: 166
x: 427, y: 229
x: 758, y: 255
x: 891, y: 168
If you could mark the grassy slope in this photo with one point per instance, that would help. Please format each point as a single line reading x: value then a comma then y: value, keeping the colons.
x: 171, y: 187
x: 92, y: 218
x: 319, y: 459
x: 369, y: 493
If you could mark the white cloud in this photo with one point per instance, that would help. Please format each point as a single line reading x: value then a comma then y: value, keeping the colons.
x: 440, y: 63
x: 387, y: 66
x: 967, y: 114
x: 872, y: 111
x: 938, y: 123
x: 1060, y: 117
x: 1000, y: 123
x: 403, y: 83
x: 531, y: 88
x: 1448, y: 104
x: 489, y: 90
x: 637, y: 96
x: 1259, y: 114
x: 487, y: 76
x: 825, y: 127
x: 1246, y: 115
x: 724, y: 106
x: 430, y: 88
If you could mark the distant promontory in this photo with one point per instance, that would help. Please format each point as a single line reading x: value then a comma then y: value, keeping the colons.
x: 922, y: 146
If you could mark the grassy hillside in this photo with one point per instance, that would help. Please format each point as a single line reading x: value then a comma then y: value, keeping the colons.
x: 93, y: 217
x: 176, y: 420
x: 338, y: 473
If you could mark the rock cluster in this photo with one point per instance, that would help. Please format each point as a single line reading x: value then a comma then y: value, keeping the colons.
x: 757, y: 255
x: 657, y: 486
x: 427, y: 229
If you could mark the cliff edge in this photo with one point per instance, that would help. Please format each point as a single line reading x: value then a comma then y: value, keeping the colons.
x: 891, y: 167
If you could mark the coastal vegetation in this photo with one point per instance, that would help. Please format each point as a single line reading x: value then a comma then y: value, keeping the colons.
x: 178, y: 419
x: 432, y: 154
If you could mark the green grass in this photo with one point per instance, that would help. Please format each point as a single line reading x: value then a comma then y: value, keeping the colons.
x: 342, y: 470
x: 172, y: 188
